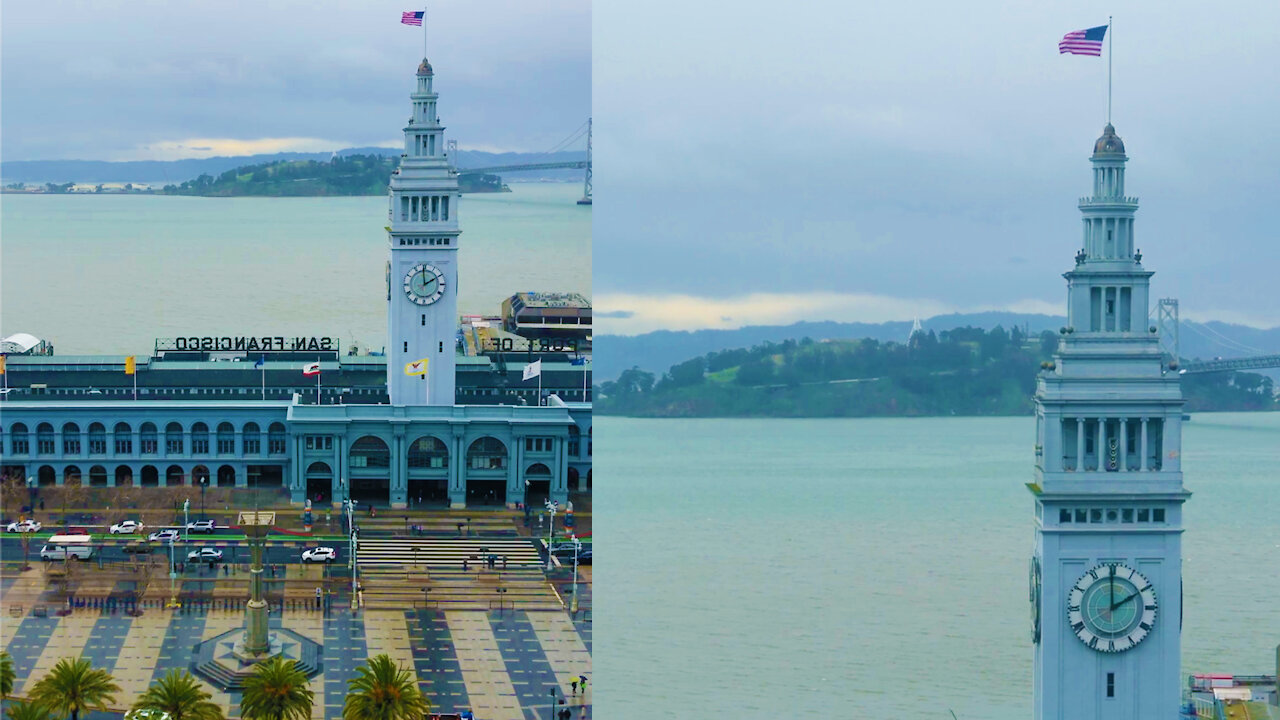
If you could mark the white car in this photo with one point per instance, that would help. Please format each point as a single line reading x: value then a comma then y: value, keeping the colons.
x: 168, y: 535
x: 209, y: 555
x: 128, y: 527
x: 25, y: 526
x: 319, y: 554
x: 202, y: 526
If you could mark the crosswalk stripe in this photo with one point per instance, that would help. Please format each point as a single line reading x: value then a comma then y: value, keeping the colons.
x: 442, y: 552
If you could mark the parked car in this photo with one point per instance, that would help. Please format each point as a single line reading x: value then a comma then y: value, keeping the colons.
x: 565, y: 552
x: 209, y: 555
x: 128, y: 527
x: 319, y: 554
x: 166, y: 535
x: 24, y: 527
x: 202, y: 526
x: 139, y: 546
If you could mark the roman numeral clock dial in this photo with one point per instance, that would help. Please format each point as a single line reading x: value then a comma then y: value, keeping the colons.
x: 1111, y: 608
x: 424, y: 284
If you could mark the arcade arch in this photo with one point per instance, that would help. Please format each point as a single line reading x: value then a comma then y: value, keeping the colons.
x: 428, y: 472
x: 97, y: 476
x: 370, y: 461
x: 226, y: 476
x: 173, y: 475
x: 150, y: 476
x: 320, y: 482
x: 486, y: 472
x: 537, y: 484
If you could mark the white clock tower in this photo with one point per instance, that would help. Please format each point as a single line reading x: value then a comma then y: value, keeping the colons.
x: 1106, y: 569
x: 422, y: 274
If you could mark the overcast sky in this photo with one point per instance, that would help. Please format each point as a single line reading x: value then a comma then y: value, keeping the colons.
x: 139, y: 79
x: 764, y: 162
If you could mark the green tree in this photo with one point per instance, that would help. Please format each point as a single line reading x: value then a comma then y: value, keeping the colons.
x: 7, y: 675
x: 27, y: 711
x: 73, y: 686
x: 181, y: 695
x: 384, y: 691
x: 277, y: 690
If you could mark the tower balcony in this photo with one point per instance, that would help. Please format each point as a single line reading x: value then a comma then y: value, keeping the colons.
x: 1104, y: 203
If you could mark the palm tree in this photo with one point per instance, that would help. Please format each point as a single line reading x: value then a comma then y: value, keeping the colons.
x: 74, y: 685
x: 27, y: 711
x: 277, y: 690
x: 180, y: 695
x: 384, y: 691
x: 7, y: 676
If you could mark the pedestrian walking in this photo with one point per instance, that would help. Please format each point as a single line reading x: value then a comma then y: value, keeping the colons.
x: 504, y: 562
x: 464, y: 564
x: 574, y: 684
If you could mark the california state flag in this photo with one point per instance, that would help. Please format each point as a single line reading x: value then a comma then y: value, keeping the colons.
x: 312, y: 369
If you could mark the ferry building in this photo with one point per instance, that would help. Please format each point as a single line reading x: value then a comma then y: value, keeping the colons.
x: 446, y: 416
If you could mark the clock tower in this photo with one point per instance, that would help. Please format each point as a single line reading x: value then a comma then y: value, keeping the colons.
x: 422, y: 274
x: 1106, y: 570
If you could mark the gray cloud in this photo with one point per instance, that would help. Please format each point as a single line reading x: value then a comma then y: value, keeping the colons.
x: 913, y: 150
x: 97, y: 80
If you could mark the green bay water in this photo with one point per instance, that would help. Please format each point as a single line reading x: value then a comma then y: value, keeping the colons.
x: 110, y: 273
x: 877, y: 568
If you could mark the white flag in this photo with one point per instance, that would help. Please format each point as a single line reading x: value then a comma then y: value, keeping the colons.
x: 533, y: 370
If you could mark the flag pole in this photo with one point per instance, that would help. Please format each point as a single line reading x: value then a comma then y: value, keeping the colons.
x: 264, y: 377
x: 1110, y: 45
x: 317, y: 381
x: 135, y: 384
x: 424, y: 32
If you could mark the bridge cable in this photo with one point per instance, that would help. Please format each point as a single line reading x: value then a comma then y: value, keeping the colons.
x: 1221, y: 340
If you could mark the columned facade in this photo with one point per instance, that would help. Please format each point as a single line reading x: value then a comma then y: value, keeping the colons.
x: 1106, y: 571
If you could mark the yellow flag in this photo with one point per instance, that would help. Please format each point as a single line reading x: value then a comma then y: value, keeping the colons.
x: 130, y: 366
x: 1, y: 364
x: 417, y: 367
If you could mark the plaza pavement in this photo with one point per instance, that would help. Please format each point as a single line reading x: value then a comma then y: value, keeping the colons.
x: 500, y: 665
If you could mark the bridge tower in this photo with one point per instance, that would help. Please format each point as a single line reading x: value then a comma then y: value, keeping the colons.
x: 422, y: 275
x: 586, y: 182
x: 1106, y: 569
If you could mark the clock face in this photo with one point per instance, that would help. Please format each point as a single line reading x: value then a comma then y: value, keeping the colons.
x: 1112, y: 607
x: 1035, y: 599
x: 424, y: 284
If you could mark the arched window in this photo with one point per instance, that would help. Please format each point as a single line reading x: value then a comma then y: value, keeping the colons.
x: 487, y: 453
x: 18, y: 442
x: 124, y: 439
x: 370, y: 452
x: 173, y: 439
x: 71, y: 440
x: 44, y: 439
x: 98, y: 440
x: 226, y: 439
x: 575, y: 441
x: 148, y: 439
x: 71, y: 475
x: 98, y: 476
x: 252, y: 438
x: 428, y: 452
x: 173, y: 475
x: 199, y: 439
x: 275, y: 439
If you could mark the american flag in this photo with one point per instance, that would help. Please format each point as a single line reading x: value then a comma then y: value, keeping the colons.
x: 412, y: 18
x: 1083, y: 42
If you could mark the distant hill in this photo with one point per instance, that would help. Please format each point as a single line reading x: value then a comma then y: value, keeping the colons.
x: 965, y: 371
x: 656, y: 351
x: 175, y: 172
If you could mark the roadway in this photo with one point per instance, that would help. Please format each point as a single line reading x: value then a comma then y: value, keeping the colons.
x: 234, y: 546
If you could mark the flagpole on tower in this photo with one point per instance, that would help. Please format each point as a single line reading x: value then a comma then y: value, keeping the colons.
x: 1110, y: 45
x: 424, y: 31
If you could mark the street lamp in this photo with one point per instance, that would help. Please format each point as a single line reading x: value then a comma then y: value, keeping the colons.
x: 551, y: 526
x: 204, y: 482
x: 186, y: 520
x: 577, y: 550
x: 31, y: 495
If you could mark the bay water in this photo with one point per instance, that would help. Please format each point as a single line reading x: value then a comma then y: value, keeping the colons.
x: 877, y: 568
x: 107, y: 274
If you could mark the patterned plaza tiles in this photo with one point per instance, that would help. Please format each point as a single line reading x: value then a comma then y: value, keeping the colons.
x: 502, y: 666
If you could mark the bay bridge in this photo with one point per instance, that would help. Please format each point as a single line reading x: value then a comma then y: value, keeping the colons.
x: 583, y: 130
x: 1169, y: 327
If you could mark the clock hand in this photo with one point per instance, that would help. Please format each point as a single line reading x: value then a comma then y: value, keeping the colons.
x: 1116, y: 605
